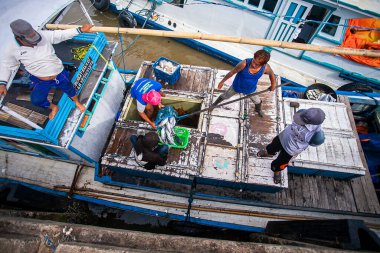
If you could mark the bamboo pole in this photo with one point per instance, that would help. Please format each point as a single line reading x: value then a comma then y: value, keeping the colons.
x: 224, y: 38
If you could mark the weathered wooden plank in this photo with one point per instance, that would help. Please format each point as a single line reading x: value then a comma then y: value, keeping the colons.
x: 314, y: 192
x: 331, y: 193
x: 323, y: 193
x: 13, y: 121
x: 298, y: 193
x: 367, y: 186
x: 341, y: 201
x: 360, y: 196
x: 349, y: 196
x: 307, y: 191
x: 205, y: 79
x: 291, y: 191
x: 33, y: 116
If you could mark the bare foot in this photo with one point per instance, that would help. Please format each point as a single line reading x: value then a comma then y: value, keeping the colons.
x: 81, y: 107
x: 54, y: 109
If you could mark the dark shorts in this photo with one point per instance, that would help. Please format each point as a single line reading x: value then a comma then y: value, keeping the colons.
x: 41, y: 88
x: 283, y: 158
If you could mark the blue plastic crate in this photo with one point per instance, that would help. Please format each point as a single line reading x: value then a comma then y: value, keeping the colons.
x: 166, y: 77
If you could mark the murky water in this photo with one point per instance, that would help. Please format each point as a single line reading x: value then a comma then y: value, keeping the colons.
x: 145, y: 47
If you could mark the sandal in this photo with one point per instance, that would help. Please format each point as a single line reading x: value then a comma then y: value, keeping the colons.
x: 277, y: 178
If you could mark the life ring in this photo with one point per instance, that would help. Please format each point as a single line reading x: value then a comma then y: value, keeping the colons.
x: 101, y: 5
x: 126, y: 19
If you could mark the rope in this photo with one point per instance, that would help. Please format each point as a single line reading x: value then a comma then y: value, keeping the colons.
x: 104, y: 58
x: 49, y: 243
x: 80, y: 52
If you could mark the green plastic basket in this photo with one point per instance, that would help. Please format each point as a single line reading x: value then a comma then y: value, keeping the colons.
x: 183, y: 134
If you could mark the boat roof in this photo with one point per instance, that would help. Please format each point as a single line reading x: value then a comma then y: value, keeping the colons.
x: 369, y: 6
x: 21, y: 9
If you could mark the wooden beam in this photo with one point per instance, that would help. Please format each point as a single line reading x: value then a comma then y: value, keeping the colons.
x: 224, y: 38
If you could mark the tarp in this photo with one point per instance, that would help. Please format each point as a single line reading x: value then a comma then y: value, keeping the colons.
x: 363, y: 39
x: 371, y: 148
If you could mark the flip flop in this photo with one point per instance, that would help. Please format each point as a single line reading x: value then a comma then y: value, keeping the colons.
x: 277, y: 178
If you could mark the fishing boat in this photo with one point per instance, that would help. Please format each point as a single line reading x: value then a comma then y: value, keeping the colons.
x: 216, y: 180
x: 322, y: 23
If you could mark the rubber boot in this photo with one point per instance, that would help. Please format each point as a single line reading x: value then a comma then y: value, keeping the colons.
x: 258, y: 109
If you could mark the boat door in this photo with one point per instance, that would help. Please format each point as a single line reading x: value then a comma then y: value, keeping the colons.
x: 287, y: 26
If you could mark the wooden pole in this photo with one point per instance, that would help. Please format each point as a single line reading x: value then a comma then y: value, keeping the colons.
x: 223, y: 38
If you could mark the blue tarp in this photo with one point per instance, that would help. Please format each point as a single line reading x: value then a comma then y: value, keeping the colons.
x: 371, y: 148
x: 166, y: 112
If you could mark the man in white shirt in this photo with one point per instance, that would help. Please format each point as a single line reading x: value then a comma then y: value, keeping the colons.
x: 36, y: 52
x: 305, y: 130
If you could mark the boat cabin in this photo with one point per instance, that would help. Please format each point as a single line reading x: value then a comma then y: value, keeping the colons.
x: 321, y: 23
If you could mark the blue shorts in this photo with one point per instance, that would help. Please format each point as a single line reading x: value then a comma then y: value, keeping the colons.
x: 41, y: 88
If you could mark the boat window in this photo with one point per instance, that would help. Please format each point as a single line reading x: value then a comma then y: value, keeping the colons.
x: 179, y: 3
x: 254, y: 2
x: 269, y: 5
x: 307, y: 29
x: 265, y: 5
x: 331, y: 29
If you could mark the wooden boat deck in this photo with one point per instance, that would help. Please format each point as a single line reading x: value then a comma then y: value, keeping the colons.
x: 303, y: 191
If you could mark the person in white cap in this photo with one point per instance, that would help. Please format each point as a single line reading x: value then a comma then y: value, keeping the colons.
x: 305, y: 130
x: 35, y: 51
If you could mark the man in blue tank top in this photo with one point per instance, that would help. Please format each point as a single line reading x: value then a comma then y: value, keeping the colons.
x: 147, y: 93
x: 248, y: 73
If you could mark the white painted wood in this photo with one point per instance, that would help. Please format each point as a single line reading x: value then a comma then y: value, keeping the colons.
x: 227, y: 129
x: 93, y: 140
x: 259, y: 173
x: 340, y: 151
x: 220, y: 163
x: 35, y: 170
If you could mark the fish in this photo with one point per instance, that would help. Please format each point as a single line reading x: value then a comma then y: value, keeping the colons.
x: 163, y: 135
x: 169, y: 134
x: 163, y: 122
x: 172, y: 121
x: 170, y: 139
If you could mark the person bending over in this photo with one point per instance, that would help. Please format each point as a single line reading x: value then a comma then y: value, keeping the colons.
x: 148, y: 153
x: 147, y: 93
